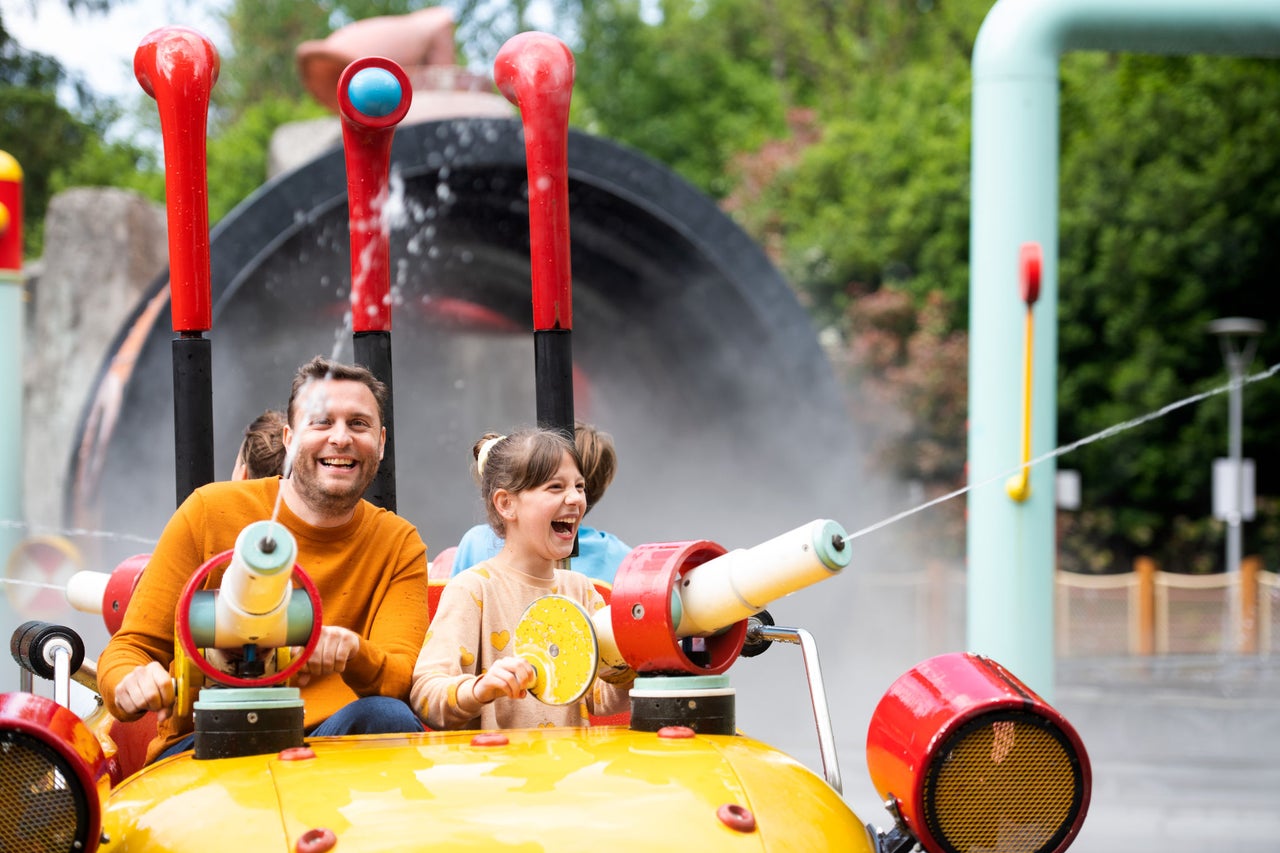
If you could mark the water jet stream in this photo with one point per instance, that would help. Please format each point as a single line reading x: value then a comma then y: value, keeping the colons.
x: 1064, y: 449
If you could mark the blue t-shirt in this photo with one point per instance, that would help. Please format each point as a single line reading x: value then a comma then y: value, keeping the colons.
x: 599, y: 553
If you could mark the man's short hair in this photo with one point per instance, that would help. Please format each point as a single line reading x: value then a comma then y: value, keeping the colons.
x: 321, y: 368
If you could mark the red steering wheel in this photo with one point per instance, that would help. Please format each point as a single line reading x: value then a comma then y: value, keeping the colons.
x: 183, y: 624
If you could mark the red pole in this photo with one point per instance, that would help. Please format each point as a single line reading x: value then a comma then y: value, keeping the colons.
x: 178, y: 67
x: 1030, y: 263
x: 373, y: 96
x: 535, y: 72
x: 10, y: 214
x: 12, y: 312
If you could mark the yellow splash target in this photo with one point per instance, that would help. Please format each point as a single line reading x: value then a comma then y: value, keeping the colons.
x: 556, y: 636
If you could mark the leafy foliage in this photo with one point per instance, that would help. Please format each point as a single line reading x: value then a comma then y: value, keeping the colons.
x: 1170, y: 180
x: 55, y: 146
x: 883, y: 199
x: 238, y: 156
x: 260, y: 66
x: 690, y: 91
x: 1169, y: 173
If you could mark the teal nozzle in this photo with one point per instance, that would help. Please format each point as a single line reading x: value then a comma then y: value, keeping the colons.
x: 830, y: 545
x: 266, y: 548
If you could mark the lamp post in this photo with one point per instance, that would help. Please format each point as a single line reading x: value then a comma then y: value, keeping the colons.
x: 1238, y: 339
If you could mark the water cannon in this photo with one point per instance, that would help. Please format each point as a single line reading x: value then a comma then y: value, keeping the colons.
x: 680, y: 614
x: 254, y: 608
x: 535, y: 72
x: 666, y: 593
x: 107, y: 594
x: 178, y: 67
x: 373, y: 97
x: 253, y: 613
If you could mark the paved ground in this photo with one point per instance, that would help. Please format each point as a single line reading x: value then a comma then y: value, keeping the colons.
x: 1185, y: 752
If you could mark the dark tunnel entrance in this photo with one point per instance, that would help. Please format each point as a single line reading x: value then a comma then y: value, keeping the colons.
x: 688, y: 345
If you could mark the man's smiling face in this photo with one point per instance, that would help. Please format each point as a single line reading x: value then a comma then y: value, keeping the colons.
x: 339, y: 442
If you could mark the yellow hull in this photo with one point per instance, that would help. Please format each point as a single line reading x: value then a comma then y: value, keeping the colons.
x: 558, y: 789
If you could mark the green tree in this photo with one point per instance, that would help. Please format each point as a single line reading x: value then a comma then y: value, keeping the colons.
x: 883, y: 198
x: 260, y: 65
x: 1170, y: 188
x: 483, y: 26
x: 690, y: 90
x: 881, y: 194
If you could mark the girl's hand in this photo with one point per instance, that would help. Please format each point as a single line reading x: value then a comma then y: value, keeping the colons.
x: 509, y: 676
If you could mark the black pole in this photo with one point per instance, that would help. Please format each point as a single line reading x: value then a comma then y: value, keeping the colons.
x: 553, y: 384
x: 553, y: 379
x: 192, y: 413
x: 373, y: 350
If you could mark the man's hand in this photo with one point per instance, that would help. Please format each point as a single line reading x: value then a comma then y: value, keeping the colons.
x: 509, y: 676
x: 147, y: 688
x: 335, y: 647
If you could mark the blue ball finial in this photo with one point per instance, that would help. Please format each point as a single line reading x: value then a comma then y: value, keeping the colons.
x: 374, y: 92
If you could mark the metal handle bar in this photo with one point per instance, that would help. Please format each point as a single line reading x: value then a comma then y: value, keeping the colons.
x: 757, y: 631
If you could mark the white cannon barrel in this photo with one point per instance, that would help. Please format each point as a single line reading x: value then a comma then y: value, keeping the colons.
x: 86, y: 589
x: 741, y: 583
x: 252, y: 604
x: 724, y: 590
x: 602, y: 621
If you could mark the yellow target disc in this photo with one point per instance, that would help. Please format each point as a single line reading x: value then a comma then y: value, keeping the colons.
x: 556, y: 635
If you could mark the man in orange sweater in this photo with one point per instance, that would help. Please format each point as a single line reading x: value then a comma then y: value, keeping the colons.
x: 369, y: 566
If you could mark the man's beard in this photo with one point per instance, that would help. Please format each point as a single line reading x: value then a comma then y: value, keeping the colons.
x: 306, y: 483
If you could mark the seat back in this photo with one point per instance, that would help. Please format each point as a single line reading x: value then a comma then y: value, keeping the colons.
x: 123, y: 744
x: 442, y: 566
x: 131, y: 741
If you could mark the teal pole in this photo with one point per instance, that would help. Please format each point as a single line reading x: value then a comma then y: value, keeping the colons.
x: 1014, y: 200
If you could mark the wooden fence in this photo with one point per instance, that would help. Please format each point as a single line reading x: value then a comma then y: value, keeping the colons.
x: 1141, y: 612
x: 1150, y: 612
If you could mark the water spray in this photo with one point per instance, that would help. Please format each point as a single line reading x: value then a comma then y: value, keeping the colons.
x: 1062, y: 450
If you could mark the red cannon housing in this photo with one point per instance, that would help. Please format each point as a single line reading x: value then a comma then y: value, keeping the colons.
x: 55, y: 777
x: 973, y: 760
